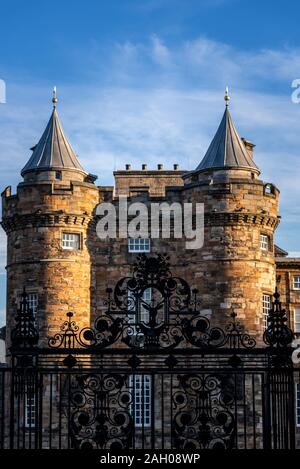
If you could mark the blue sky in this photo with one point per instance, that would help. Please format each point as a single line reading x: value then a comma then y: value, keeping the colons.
x: 143, y: 82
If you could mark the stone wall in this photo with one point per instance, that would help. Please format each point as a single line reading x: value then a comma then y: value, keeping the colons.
x: 133, y: 182
x: 230, y: 271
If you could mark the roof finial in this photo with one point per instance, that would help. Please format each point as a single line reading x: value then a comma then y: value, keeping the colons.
x: 226, y: 97
x: 54, y: 99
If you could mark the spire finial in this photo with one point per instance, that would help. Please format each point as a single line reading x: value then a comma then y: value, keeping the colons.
x: 226, y: 97
x: 54, y: 99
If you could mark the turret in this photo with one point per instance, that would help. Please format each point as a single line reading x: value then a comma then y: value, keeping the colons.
x: 235, y: 269
x: 47, y: 224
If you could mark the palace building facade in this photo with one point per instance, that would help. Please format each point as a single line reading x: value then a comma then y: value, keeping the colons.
x: 54, y: 252
x: 144, y: 342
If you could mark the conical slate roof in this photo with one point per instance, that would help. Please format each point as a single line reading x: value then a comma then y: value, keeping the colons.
x: 226, y: 150
x: 53, y: 150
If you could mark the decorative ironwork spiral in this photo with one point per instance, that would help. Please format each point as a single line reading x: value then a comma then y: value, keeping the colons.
x: 170, y: 319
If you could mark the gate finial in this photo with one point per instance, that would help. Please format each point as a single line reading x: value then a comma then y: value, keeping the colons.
x: 25, y: 333
x: 277, y: 334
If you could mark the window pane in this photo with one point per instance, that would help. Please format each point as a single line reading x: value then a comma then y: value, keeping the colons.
x: 297, y: 282
x: 30, y: 406
x: 33, y: 299
x: 140, y: 387
x: 146, y: 298
x: 264, y: 242
x: 266, y: 303
x: 33, y: 302
x: 139, y: 245
x: 70, y: 241
x: 297, y: 320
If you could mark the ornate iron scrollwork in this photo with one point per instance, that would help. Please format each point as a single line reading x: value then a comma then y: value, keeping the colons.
x: 278, y: 334
x: 25, y: 333
x: 100, y: 415
x: 204, y: 412
x: 170, y: 317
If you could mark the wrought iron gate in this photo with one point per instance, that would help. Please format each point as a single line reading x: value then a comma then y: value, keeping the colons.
x: 151, y: 373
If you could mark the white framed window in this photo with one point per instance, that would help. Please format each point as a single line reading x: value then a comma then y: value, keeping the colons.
x: 266, y: 306
x: 70, y: 241
x: 33, y: 299
x: 147, y: 297
x: 140, y: 388
x: 30, y: 407
x: 297, y: 319
x: 264, y: 242
x: 296, y: 282
x: 138, y: 245
x: 297, y: 404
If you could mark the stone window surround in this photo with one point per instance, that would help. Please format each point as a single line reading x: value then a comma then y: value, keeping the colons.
x: 71, y: 232
x: 296, y: 282
x: 269, y: 189
x: 265, y: 242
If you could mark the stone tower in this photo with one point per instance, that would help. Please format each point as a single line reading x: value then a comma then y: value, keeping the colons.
x: 47, y: 217
x: 235, y: 269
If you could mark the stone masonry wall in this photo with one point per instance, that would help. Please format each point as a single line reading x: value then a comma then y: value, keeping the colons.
x: 230, y: 270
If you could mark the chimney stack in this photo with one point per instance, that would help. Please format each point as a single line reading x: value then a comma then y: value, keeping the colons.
x: 249, y: 146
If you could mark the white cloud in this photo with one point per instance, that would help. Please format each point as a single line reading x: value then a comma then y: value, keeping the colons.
x: 160, y: 52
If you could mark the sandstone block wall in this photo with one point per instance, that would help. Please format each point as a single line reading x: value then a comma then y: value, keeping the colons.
x: 230, y: 271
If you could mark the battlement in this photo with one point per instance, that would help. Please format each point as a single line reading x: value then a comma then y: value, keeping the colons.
x: 130, y: 182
